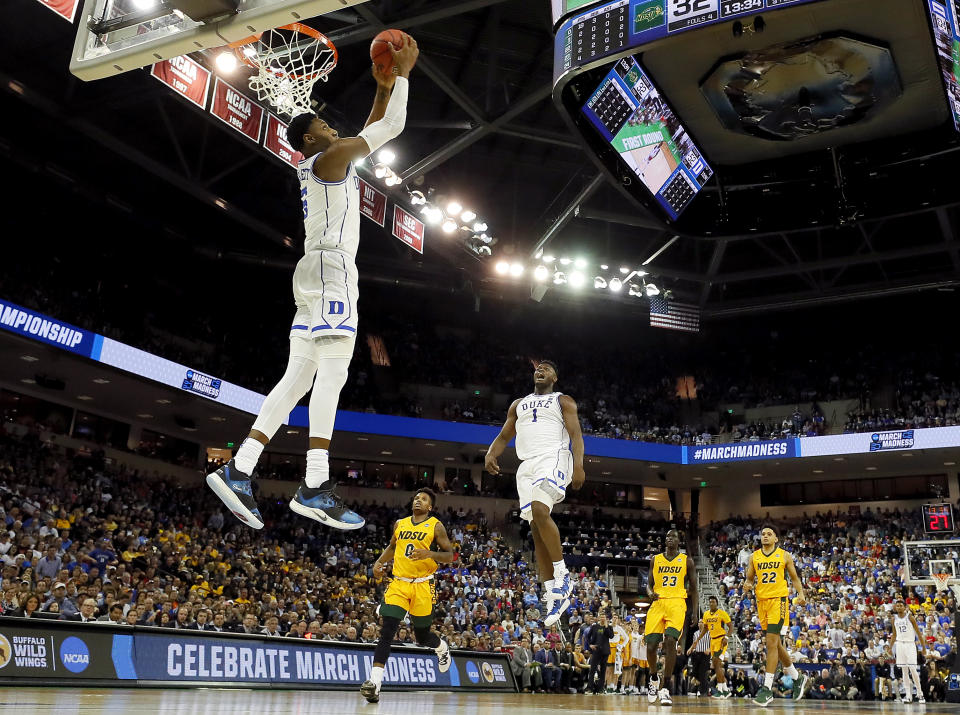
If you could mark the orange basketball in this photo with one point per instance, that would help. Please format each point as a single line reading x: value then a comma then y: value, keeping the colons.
x: 380, y: 48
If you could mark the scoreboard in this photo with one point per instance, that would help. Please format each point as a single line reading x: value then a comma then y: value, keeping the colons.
x: 938, y: 519
x: 605, y: 28
x: 633, y: 117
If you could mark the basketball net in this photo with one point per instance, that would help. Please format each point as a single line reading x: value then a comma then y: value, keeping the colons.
x: 942, y: 582
x: 287, y: 62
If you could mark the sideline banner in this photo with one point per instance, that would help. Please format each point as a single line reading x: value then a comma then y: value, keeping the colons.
x: 55, y: 650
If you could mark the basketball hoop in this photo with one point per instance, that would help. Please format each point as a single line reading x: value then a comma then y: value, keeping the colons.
x: 942, y: 581
x: 288, y: 61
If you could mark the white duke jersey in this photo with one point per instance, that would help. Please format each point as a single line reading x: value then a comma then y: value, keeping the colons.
x: 540, y: 428
x: 904, y: 629
x: 325, y: 283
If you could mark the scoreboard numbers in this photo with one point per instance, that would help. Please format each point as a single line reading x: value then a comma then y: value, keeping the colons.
x: 938, y: 518
x: 600, y: 32
x: 738, y: 7
x: 682, y: 14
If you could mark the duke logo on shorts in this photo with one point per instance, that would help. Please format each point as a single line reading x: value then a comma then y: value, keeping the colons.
x: 325, y: 283
x: 543, y: 444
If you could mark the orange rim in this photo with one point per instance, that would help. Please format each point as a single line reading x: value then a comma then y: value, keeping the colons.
x: 297, y: 27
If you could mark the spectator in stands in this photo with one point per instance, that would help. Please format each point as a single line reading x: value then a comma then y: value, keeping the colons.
x: 31, y: 606
x: 114, y: 615
x: 525, y: 668
x: 88, y: 612
x: 549, y: 662
x: 65, y: 605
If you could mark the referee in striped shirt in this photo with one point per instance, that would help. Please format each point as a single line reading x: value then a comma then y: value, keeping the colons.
x: 700, y: 658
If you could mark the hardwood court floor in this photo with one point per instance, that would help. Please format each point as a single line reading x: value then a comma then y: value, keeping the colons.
x: 192, y: 701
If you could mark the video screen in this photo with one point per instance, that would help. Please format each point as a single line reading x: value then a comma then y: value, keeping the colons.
x: 634, y: 117
x: 562, y: 7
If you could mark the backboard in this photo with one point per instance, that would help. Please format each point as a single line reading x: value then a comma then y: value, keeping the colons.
x: 922, y: 559
x: 116, y: 36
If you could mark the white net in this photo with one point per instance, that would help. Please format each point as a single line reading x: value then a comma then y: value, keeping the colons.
x: 288, y: 61
x: 941, y: 581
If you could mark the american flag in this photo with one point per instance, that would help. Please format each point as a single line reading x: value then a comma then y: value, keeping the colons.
x: 674, y: 316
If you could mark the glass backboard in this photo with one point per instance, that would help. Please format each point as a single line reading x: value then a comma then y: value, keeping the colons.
x: 117, y: 36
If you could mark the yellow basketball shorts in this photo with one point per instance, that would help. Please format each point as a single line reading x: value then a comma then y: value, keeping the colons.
x: 665, y: 613
x: 774, y: 614
x: 414, y: 598
x: 717, y: 648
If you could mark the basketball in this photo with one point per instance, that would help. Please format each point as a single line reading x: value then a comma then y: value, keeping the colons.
x: 380, y: 48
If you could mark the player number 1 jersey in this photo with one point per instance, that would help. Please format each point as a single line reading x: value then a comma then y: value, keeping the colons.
x: 540, y: 427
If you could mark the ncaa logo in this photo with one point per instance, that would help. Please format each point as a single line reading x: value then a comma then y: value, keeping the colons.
x: 74, y: 655
x: 472, y: 672
x: 487, y: 672
x: 6, y: 651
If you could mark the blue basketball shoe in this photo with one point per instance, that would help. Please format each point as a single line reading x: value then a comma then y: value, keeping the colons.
x: 325, y: 506
x: 233, y: 488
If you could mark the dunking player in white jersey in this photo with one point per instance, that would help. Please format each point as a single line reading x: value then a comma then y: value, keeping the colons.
x: 324, y: 327
x: 547, y: 429
x: 905, y: 649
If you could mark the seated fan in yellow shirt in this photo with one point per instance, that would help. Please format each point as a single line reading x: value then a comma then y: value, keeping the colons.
x: 412, y: 589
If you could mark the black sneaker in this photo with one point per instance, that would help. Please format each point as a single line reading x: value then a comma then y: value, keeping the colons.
x: 327, y: 507
x: 370, y: 691
x: 233, y: 488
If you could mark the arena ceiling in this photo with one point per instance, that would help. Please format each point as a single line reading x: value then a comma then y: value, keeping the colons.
x: 482, y: 126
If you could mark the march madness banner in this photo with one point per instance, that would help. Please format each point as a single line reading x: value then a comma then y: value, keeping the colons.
x: 185, y: 77
x: 236, y: 109
x: 373, y: 204
x: 66, y: 9
x: 408, y: 229
x: 275, y: 142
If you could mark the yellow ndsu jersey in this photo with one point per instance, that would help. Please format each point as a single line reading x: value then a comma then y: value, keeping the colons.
x: 412, y: 536
x: 668, y: 576
x: 771, y: 573
x: 714, y: 620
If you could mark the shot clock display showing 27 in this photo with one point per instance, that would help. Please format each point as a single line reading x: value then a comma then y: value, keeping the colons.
x: 938, y: 518
x: 603, y: 29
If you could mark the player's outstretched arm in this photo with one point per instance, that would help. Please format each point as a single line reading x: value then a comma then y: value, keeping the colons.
x: 333, y: 163
x: 570, y: 420
x: 507, y: 432
x: 749, y: 577
x: 916, y: 629
x: 795, y: 578
x: 387, y: 555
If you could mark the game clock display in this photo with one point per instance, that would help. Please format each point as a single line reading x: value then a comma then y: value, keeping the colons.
x: 634, y: 118
x: 938, y: 518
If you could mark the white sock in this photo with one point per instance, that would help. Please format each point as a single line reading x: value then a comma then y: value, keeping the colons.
x: 559, y: 570
x: 440, y: 648
x: 792, y: 672
x: 318, y: 467
x: 376, y: 675
x: 768, y: 680
x: 248, y: 455
x: 548, y: 587
x: 915, y: 677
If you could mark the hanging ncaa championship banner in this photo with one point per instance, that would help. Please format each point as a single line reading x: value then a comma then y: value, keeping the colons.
x: 373, y: 204
x: 64, y: 8
x: 275, y: 142
x: 185, y: 77
x: 236, y: 109
x: 408, y: 228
